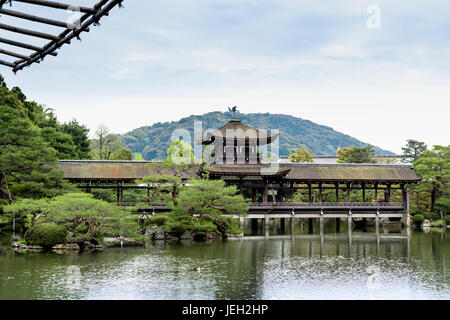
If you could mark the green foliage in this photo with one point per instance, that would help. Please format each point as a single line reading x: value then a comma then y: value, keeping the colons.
x: 24, y: 212
x: 156, y: 220
x: 79, y: 134
x: 433, y: 166
x: 432, y: 216
x: 418, y: 219
x: 31, y: 140
x: 153, y: 141
x: 46, y: 235
x: 438, y: 223
x: 413, y: 150
x: 138, y: 156
x: 87, y: 218
x: 123, y: 154
x: 209, y: 198
x: 447, y: 220
x: 61, y: 142
x: 163, y: 187
x: 356, y: 155
x: 199, y: 207
x: 301, y: 155
x: 180, y: 153
x: 26, y: 161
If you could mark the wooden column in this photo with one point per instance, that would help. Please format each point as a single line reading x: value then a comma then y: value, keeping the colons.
x: 376, y: 192
x: 388, y: 194
x: 402, y: 187
x: 348, y: 191
x: 254, y: 223
x: 310, y: 226
x: 121, y: 191
x: 336, y: 185
x: 253, y: 194
x: 241, y: 186
x: 338, y: 225
x: 309, y: 192
x: 283, y: 225
x: 320, y: 192
x: 364, y: 191
x: 118, y: 192
x: 265, y: 193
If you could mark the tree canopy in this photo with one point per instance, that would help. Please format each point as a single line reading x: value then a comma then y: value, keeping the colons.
x: 413, y: 150
x: 433, y: 166
x: 356, y: 155
x: 301, y: 155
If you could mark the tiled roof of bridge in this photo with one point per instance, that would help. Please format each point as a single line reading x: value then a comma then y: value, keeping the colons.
x: 132, y: 170
x: 351, y: 172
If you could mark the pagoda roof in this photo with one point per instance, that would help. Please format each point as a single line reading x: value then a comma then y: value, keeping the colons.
x: 237, y: 130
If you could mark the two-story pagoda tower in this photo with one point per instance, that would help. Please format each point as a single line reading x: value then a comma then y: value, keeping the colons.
x: 237, y: 143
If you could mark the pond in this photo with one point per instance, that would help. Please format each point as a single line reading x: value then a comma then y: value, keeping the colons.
x: 331, y: 266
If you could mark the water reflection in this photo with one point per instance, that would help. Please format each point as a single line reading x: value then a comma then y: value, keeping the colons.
x: 300, y: 266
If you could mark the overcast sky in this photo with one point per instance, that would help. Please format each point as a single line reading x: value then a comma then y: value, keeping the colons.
x: 326, y: 61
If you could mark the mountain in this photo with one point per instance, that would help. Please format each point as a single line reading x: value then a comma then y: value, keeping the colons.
x: 153, y: 141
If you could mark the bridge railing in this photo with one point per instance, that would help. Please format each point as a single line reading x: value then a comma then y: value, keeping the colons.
x: 326, y: 204
x: 282, y: 204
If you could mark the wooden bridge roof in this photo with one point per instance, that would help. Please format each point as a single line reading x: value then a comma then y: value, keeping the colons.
x: 351, y: 173
x: 132, y: 170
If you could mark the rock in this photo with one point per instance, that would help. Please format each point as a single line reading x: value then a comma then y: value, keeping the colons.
x: 235, y: 235
x: 16, y: 238
x: 426, y: 224
x: 36, y: 248
x: 72, y: 247
x: 88, y: 245
x: 155, y: 233
x: 186, y: 236
x: 126, y: 242
x: 59, y: 247
x: 171, y: 237
x: 213, y: 235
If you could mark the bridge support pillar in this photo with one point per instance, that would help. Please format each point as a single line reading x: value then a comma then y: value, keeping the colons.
x: 349, y: 223
x: 254, y: 223
x: 321, y: 225
x: 283, y: 226
x: 241, y: 223
x: 310, y: 225
x: 338, y: 225
x: 377, y: 224
x: 266, y: 225
x: 292, y: 226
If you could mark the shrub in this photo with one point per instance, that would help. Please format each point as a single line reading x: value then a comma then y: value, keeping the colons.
x: 418, y: 219
x: 438, y: 223
x: 46, y: 235
x: 432, y: 216
x: 157, y: 220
